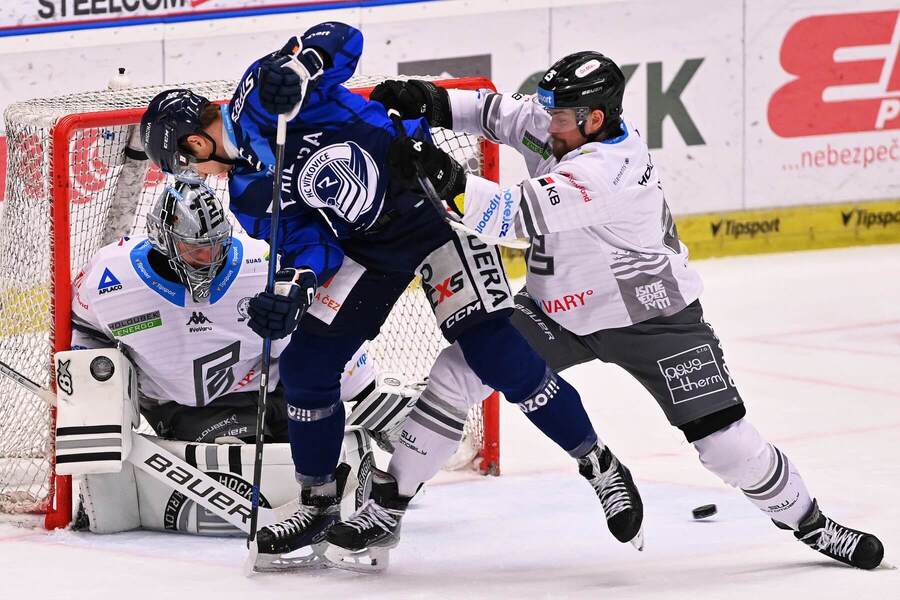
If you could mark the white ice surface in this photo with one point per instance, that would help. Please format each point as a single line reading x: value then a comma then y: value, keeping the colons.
x: 813, y: 341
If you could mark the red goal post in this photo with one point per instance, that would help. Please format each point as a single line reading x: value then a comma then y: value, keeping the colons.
x: 66, y: 172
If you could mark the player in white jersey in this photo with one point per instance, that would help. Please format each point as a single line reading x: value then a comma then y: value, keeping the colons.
x: 607, y: 279
x: 177, y: 302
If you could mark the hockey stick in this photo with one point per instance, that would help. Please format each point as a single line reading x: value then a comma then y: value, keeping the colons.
x: 280, y: 139
x: 27, y: 384
x: 280, y: 136
x: 452, y: 218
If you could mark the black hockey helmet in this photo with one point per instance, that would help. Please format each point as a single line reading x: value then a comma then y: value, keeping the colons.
x: 585, y: 80
x: 171, y: 116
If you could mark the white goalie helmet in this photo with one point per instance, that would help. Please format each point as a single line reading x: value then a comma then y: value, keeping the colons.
x: 188, y: 226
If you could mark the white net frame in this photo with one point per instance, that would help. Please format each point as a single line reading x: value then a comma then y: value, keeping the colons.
x: 66, y: 172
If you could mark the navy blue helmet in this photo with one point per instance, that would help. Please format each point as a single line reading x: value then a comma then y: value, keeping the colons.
x: 171, y: 116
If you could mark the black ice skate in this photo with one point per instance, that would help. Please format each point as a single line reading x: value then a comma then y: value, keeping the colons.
x: 855, y: 548
x: 303, y: 532
x: 363, y: 542
x: 619, y: 496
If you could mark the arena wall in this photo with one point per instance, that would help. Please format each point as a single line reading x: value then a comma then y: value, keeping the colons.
x: 774, y: 123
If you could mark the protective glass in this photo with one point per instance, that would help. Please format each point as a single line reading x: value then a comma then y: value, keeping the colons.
x: 563, y: 120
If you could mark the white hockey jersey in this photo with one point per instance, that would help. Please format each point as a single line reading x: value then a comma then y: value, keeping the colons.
x: 185, y: 351
x: 604, y: 248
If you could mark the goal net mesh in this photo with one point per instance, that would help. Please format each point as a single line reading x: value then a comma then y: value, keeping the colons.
x: 69, y: 191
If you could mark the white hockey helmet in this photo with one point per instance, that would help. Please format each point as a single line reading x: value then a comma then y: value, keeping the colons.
x: 188, y: 225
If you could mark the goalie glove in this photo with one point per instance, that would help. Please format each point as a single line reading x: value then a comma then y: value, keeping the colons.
x: 414, y: 99
x: 276, y: 314
x: 445, y: 174
x: 282, y: 73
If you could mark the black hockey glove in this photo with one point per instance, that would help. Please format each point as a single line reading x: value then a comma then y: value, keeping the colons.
x: 276, y: 314
x: 281, y: 75
x: 445, y: 174
x: 415, y: 98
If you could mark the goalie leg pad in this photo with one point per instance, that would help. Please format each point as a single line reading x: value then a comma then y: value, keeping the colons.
x: 382, y: 409
x: 133, y: 499
x: 359, y: 456
x: 358, y: 375
x: 109, y: 501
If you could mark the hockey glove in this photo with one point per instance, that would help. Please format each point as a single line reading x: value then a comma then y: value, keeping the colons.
x: 276, y: 314
x: 282, y: 73
x: 445, y: 174
x: 414, y: 99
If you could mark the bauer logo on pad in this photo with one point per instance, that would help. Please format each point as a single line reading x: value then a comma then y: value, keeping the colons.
x: 692, y: 374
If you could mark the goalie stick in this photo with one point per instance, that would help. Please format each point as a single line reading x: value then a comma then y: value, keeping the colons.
x: 27, y: 384
x: 439, y: 205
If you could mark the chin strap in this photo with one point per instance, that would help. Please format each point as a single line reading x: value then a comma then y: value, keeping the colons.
x: 214, y: 156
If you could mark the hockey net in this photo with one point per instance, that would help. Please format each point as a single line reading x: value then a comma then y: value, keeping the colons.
x: 70, y: 190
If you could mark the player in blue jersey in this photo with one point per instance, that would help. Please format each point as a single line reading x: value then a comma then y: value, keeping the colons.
x: 349, y: 224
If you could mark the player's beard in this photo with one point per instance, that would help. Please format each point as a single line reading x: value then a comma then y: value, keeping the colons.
x: 559, y: 147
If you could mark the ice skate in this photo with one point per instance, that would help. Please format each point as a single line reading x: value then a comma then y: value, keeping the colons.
x: 298, y: 542
x: 619, y: 496
x: 849, y: 546
x: 363, y: 542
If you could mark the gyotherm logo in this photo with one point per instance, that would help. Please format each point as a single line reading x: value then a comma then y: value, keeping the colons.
x: 847, y: 75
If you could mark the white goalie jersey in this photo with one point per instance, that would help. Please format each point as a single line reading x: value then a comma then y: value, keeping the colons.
x: 184, y: 351
x: 604, y: 248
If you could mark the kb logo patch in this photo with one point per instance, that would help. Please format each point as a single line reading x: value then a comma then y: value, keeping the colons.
x: 692, y: 374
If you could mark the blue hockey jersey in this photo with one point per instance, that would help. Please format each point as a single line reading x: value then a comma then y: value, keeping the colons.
x: 334, y: 170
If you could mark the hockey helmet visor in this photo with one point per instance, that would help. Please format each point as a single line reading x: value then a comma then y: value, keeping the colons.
x: 581, y: 82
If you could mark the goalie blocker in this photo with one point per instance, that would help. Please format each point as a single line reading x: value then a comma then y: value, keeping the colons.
x: 130, y: 481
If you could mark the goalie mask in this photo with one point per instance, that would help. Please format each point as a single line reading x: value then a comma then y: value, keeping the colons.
x: 188, y: 226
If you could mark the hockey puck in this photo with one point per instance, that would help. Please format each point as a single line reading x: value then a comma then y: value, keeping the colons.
x: 702, y: 512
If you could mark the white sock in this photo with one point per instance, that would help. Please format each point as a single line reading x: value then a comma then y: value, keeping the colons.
x: 430, y: 436
x: 743, y: 459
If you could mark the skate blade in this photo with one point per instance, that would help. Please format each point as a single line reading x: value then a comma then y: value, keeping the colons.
x: 312, y: 557
x: 886, y: 566
x: 638, y: 540
x: 368, y: 560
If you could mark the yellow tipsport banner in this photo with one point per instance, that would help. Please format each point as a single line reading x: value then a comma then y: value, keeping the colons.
x: 775, y: 230
x: 790, y: 229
